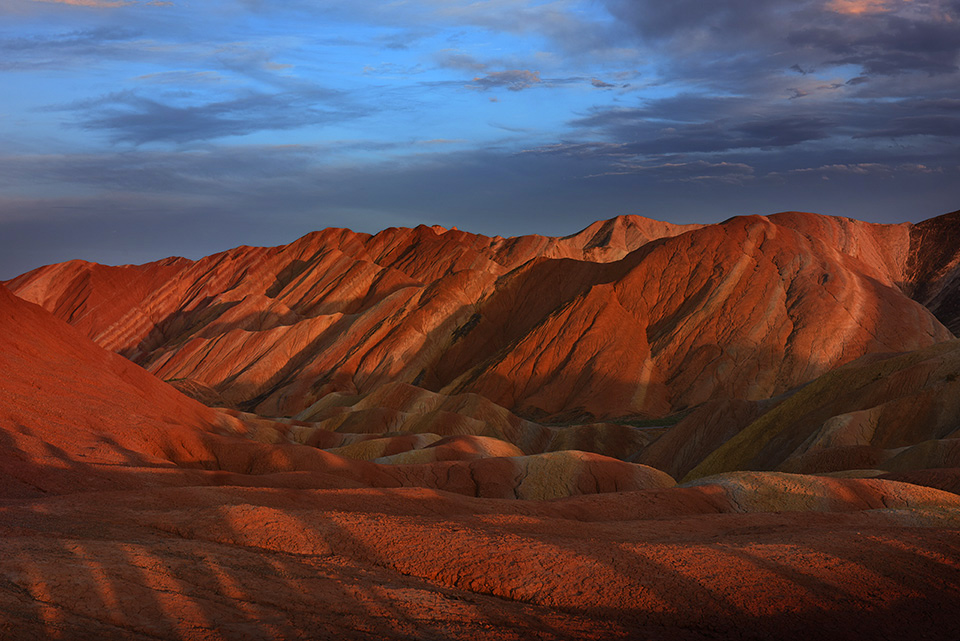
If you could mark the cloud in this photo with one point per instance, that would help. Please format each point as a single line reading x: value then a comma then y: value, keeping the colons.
x: 861, y: 169
x: 675, y: 138
x: 825, y: 124
x: 943, y: 125
x: 697, y: 171
x: 783, y: 131
x: 514, y: 80
x: 67, y: 49
x: 182, y: 173
x: 128, y: 117
x: 107, y: 4
x: 181, y: 78
x: 745, y: 38
x: 90, y: 3
x: 160, y: 44
x: 392, y: 69
x: 700, y: 123
x: 453, y: 59
x: 885, y: 45
x: 859, y: 7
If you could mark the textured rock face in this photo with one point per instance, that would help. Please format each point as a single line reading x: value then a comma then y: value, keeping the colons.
x: 630, y: 316
x: 75, y: 417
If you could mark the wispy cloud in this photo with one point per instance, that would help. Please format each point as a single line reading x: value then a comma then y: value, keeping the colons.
x: 454, y: 59
x: 67, y: 49
x: 702, y: 124
x: 862, y: 169
x: 181, y: 77
x: 514, y: 80
x: 128, y: 117
x: 860, y: 7
x: 90, y: 3
x: 108, y: 4
x: 696, y: 171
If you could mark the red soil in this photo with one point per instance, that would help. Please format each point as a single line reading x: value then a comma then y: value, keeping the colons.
x: 232, y: 563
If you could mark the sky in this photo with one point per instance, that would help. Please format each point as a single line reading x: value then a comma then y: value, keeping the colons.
x: 131, y: 130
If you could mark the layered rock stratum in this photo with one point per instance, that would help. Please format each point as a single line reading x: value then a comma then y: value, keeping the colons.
x: 427, y: 433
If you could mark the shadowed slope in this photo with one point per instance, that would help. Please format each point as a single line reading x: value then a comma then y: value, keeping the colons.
x: 896, y: 412
x: 934, y: 267
x: 70, y: 405
x: 683, y: 446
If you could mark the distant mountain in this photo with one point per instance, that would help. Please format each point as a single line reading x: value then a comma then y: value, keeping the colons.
x: 628, y: 317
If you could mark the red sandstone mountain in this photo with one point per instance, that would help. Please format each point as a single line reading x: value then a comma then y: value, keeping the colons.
x: 130, y: 511
x: 628, y: 317
x: 108, y: 529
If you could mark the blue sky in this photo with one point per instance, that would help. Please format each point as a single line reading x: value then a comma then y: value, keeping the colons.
x: 132, y: 130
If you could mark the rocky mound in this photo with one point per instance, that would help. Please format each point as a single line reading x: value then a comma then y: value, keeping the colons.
x: 455, y: 448
x: 541, y: 476
x: 778, y: 492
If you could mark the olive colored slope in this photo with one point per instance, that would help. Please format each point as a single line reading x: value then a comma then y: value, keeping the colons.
x: 882, y: 405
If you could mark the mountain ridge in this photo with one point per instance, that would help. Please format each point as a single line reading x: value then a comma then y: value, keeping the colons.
x: 342, y: 311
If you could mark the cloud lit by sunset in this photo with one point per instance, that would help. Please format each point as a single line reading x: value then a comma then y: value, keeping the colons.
x: 858, y: 7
